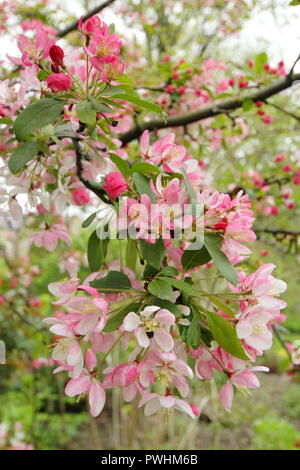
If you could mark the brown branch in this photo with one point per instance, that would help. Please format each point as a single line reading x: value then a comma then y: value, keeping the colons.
x: 275, y: 232
x: 210, y: 111
x: 74, y: 25
x: 96, y: 190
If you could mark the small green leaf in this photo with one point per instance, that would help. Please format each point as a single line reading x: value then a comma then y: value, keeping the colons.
x: 114, y: 281
x: 213, y: 243
x: 85, y: 112
x: 36, y: 116
x: 89, y: 220
x: 131, y: 253
x: 139, y: 102
x: 164, y: 303
x: 260, y: 60
x: 42, y: 75
x: 247, y: 105
x: 192, y: 258
x: 96, y: 252
x: 114, y: 322
x: 220, y: 305
x: 294, y: 3
x: 143, y: 186
x: 182, y: 286
x: 160, y: 288
x: 168, y: 271
x: 193, y: 334
x: 121, y: 164
x: 22, y: 155
x: 99, y: 107
x: 153, y: 253
x: 225, y: 335
x: 64, y: 130
x: 144, y: 168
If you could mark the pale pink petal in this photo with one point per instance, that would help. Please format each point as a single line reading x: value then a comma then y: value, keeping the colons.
x: 226, y: 396
x: 97, y: 397
x: 163, y: 339
x: 78, y: 386
x: 131, y: 321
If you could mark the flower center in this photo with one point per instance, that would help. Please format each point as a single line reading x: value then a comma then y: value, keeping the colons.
x: 150, y: 325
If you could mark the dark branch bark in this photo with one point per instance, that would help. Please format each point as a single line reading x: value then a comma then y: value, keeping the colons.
x: 210, y: 111
x: 271, y: 231
x: 91, y: 13
x: 98, y: 191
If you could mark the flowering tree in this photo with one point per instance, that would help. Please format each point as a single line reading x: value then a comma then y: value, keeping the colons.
x: 170, y: 277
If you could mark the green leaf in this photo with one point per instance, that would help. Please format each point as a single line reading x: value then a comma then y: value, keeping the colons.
x: 220, y: 305
x: 99, y: 107
x: 139, y: 102
x: 64, y: 130
x: 247, y: 105
x: 143, y: 186
x: 89, y: 220
x: 144, y: 167
x: 213, y: 243
x: 193, y: 334
x: 206, y: 335
x: 192, y: 258
x: 160, y: 288
x: 164, y: 303
x: 96, y: 252
x: 126, y: 81
x: 22, y: 155
x: 114, y: 281
x: 154, y: 253
x: 121, y: 164
x: 85, y: 112
x: 36, y: 116
x: 182, y: 286
x: 189, y: 188
x: 294, y: 3
x: 168, y: 271
x: 114, y: 322
x: 225, y: 335
x: 131, y: 253
x: 42, y: 75
x: 260, y: 60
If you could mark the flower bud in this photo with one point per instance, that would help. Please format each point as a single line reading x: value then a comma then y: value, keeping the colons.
x: 57, y: 54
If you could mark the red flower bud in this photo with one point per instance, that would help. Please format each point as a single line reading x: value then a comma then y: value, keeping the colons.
x: 57, y: 54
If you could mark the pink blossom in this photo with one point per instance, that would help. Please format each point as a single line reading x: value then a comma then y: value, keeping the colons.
x: 147, y: 326
x: 59, y: 82
x: 80, y: 196
x: 33, y: 53
x: 115, y: 184
x: 49, y: 237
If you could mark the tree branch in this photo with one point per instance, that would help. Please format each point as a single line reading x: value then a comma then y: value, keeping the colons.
x: 272, y: 231
x: 210, y: 111
x: 98, y: 191
x: 74, y: 25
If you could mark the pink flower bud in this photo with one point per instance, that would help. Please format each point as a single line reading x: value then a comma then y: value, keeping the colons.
x: 287, y: 168
x: 80, y: 197
x: 59, y: 82
x: 114, y: 184
x: 279, y: 158
x: 56, y: 54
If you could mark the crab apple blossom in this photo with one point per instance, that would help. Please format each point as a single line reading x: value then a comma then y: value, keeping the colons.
x: 153, y: 322
x: 56, y: 54
x: 59, y: 82
x: 152, y: 313
x: 49, y: 237
x: 115, y: 184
